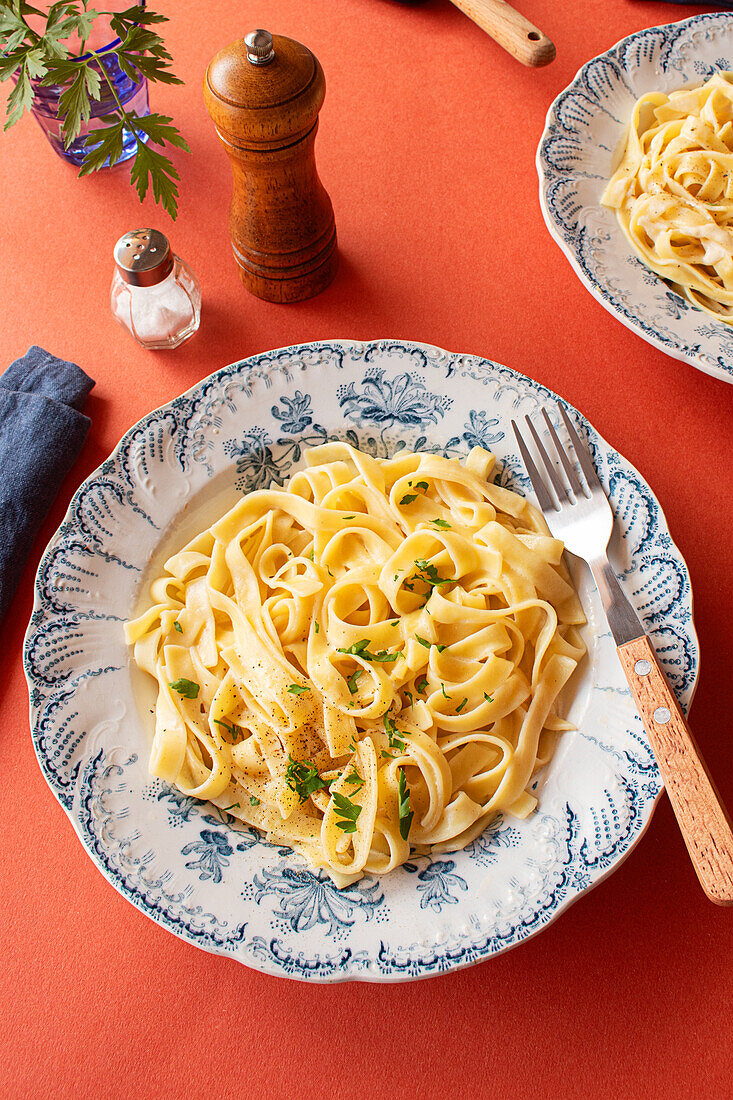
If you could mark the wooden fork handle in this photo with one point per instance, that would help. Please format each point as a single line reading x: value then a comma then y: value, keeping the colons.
x: 510, y: 29
x: 702, y: 818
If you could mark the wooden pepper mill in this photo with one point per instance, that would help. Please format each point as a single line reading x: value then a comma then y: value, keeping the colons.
x: 264, y: 93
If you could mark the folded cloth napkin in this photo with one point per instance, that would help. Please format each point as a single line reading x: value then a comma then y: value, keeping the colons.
x: 42, y: 430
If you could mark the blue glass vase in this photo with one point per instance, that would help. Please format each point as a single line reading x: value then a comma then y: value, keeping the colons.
x: 133, y: 95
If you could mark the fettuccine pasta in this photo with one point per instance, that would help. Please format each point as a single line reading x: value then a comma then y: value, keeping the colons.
x: 365, y: 662
x: 673, y: 191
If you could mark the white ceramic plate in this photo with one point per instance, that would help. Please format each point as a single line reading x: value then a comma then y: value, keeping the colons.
x: 584, y: 127
x: 182, y: 862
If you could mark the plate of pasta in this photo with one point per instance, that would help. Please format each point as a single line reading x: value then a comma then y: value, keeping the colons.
x: 314, y: 684
x: 636, y: 185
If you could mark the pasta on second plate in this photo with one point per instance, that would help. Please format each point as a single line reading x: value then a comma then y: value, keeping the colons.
x: 673, y: 190
x: 365, y: 662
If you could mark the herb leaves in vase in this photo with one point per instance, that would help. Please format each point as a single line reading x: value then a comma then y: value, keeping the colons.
x: 35, y: 47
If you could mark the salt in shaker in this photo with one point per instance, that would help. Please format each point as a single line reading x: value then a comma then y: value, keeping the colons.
x: 154, y: 294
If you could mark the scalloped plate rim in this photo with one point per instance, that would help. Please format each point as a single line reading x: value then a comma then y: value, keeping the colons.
x: 346, y: 975
x: 654, y: 340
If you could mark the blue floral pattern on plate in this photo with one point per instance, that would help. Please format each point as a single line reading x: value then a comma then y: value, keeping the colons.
x: 193, y: 868
x: 584, y: 127
x: 307, y: 899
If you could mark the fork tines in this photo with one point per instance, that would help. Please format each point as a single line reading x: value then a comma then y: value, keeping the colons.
x: 578, y: 487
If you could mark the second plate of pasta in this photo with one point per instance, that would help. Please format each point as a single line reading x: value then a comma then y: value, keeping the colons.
x: 648, y: 234
x: 410, y: 762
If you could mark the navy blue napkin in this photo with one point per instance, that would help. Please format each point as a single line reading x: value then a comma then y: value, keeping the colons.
x: 42, y: 430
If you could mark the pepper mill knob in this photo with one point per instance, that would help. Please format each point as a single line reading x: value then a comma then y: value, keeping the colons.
x: 264, y: 93
x: 259, y: 47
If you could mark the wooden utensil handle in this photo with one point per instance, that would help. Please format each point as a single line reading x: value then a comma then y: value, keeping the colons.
x: 510, y: 29
x: 702, y: 818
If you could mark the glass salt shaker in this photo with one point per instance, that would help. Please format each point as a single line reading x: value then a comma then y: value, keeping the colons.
x: 154, y: 294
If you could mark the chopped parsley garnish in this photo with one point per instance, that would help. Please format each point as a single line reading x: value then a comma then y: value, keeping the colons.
x: 441, y: 523
x: 348, y: 811
x: 387, y: 755
x: 409, y: 497
x: 354, y: 780
x: 359, y: 649
x: 409, y: 696
x: 349, y: 517
x: 351, y: 681
x: 296, y: 689
x: 318, y: 628
x: 408, y: 586
x: 185, y: 687
x: 405, y: 813
x: 421, y: 685
x: 461, y: 705
x: 177, y: 626
x: 488, y: 698
x: 234, y: 805
x: 395, y: 741
x: 254, y: 801
x: 427, y: 644
x: 234, y: 731
x: 395, y: 622
x: 442, y: 688
x: 302, y: 777
x: 431, y: 575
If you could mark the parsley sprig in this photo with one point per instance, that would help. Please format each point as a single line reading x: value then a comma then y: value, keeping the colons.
x: 302, y: 777
x: 187, y: 688
x: 44, y: 55
x: 235, y: 732
x: 360, y: 649
x: 405, y: 813
x: 348, y: 812
x: 428, y: 574
x: 354, y: 780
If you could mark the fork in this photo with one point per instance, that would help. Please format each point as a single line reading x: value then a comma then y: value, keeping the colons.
x: 583, y: 520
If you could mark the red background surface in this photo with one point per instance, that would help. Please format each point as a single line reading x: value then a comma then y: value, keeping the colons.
x: 427, y: 145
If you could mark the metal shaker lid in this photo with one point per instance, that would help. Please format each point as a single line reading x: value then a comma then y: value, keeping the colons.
x: 260, y: 50
x: 143, y: 257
